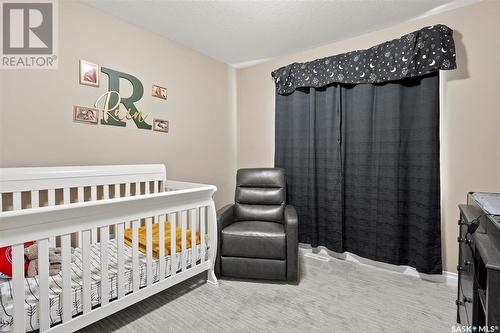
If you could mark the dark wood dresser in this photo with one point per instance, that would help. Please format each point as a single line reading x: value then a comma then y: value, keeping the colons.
x: 478, y: 302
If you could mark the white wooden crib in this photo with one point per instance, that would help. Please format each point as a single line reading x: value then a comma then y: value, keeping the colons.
x: 88, y: 209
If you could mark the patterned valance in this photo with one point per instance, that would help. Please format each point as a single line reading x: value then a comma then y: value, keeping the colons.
x: 418, y: 53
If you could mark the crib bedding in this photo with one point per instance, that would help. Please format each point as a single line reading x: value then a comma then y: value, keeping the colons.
x: 55, y: 284
x: 156, y: 238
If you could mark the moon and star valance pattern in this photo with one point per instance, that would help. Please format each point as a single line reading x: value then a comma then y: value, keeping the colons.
x: 417, y: 53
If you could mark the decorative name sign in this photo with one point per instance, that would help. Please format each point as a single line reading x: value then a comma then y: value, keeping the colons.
x: 113, y: 115
x: 116, y: 109
x: 111, y: 112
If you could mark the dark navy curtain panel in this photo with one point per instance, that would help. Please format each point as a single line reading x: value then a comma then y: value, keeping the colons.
x: 362, y: 166
x: 358, y: 136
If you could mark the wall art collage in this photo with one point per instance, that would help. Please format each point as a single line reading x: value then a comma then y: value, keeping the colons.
x: 110, y: 108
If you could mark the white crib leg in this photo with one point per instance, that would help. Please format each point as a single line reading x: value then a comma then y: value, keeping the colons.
x: 212, y: 231
x: 211, y: 278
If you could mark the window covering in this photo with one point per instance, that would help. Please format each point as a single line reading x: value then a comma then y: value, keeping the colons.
x: 415, y: 54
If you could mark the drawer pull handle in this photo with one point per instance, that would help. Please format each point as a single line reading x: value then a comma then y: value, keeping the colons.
x: 467, y: 299
x: 464, y: 267
x: 464, y: 240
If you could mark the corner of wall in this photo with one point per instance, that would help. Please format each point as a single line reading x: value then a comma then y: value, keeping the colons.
x: 233, y: 119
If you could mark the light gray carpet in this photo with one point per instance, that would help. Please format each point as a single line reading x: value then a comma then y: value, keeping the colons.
x: 334, y: 296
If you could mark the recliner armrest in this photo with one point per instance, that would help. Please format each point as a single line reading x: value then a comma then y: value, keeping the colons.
x: 291, y: 216
x: 292, y: 243
x: 225, y: 216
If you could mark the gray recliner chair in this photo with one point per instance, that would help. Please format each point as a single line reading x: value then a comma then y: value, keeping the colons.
x: 258, y: 236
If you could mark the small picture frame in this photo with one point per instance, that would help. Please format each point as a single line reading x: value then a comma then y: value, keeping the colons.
x: 159, y: 92
x: 89, y: 73
x: 83, y: 114
x: 160, y: 125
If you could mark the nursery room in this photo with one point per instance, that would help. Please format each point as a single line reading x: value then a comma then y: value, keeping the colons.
x: 250, y: 166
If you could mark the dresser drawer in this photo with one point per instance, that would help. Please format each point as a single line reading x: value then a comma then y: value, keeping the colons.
x: 462, y: 310
x: 466, y: 291
x: 465, y: 269
x: 467, y: 300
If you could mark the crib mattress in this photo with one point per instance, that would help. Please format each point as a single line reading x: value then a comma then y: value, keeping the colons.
x: 31, y: 285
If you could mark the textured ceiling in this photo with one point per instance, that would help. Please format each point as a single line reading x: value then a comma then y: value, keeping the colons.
x: 242, y: 32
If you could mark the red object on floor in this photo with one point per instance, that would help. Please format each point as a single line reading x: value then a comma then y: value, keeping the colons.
x: 6, y: 260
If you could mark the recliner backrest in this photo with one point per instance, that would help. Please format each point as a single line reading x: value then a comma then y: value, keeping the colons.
x: 260, y: 194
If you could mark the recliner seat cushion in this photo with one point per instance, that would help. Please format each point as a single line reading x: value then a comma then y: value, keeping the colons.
x: 254, y: 239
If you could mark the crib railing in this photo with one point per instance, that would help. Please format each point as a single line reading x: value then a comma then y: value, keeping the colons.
x: 189, y: 206
x: 24, y: 188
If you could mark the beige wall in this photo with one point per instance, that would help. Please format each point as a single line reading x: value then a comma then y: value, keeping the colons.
x: 36, y: 105
x: 470, y: 111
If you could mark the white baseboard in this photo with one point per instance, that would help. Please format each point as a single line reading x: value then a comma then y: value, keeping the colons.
x: 323, y: 254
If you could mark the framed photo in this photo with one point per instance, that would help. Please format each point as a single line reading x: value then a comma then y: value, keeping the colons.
x: 159, y: 92
x: 83, y: 114
x: 89, y: 73
x: 160, y: 125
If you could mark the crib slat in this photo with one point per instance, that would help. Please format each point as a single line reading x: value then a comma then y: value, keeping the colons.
x: 51, y: 201
x: 173, y: 243
x: 16, y: 200
x: 80, y: 194
x: 137, y: 188
x: 43, y: 276
x: 149, y: 252
x: 105, y: 191
x: 80, y: 198
x: 127, y: 194
x: 51, y: 197
x: 117, y: 191
x: 18, y: 286
x: 135, y: 255
x: 93, y: 197
x: 104, y: 233
x: 66, y: 195
x: 147, y: 187
x: 87, y: 302
x: 94, y: 236
x: 35, y: 201
x: 156, y: 186
x: 183, y: 240
x: 1, y: 202
x: 121, y: 264
x: 202, y: 234
x: 161, y: 245
x: 194, y: 251
x: 93, y: 193
x: 67, y: 305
